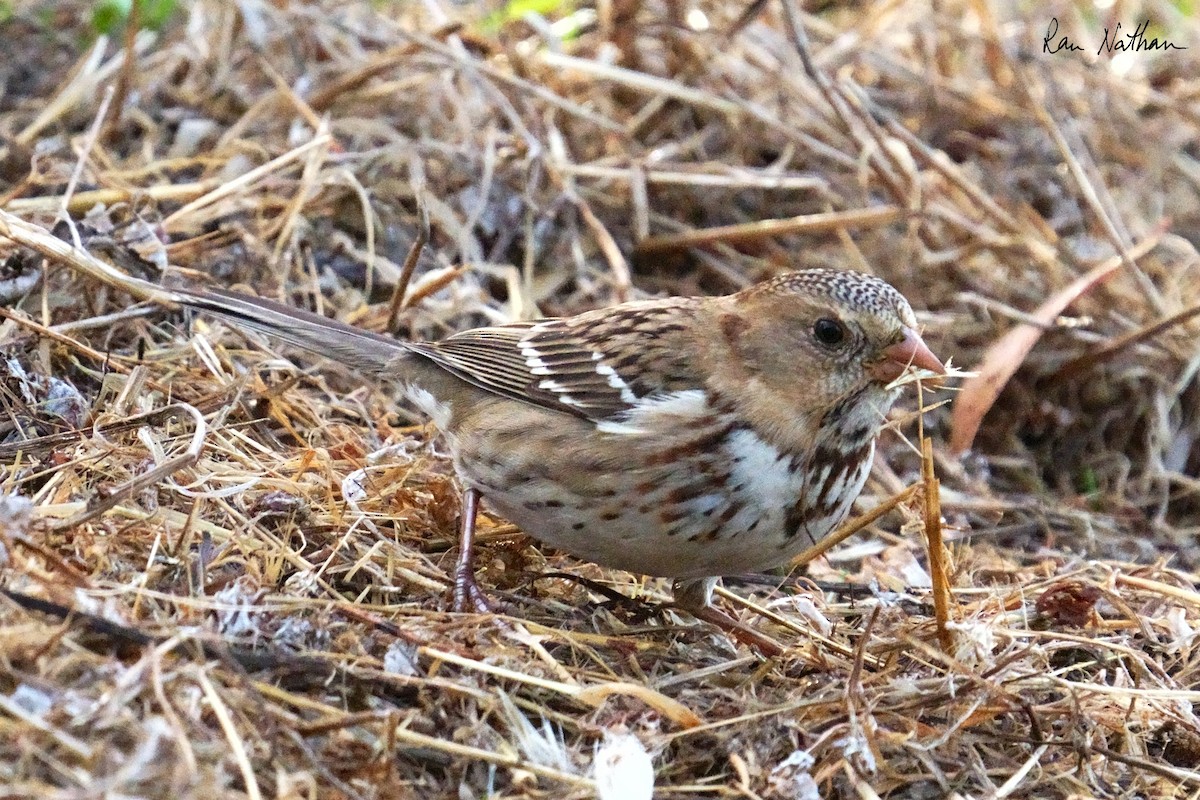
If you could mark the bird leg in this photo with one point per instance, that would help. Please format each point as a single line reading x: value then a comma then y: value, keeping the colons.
x: 695, y: 597
x: 467, y: 594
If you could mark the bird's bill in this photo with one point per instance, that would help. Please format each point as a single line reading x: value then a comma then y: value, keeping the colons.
x: 908, y: 352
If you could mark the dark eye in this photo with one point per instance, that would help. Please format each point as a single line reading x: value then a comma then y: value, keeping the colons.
x: 829, y: 332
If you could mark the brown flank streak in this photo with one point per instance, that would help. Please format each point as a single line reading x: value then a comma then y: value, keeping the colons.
x: 704, y: 443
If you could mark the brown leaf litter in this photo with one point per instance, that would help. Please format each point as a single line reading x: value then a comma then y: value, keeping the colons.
x: 224, y: 565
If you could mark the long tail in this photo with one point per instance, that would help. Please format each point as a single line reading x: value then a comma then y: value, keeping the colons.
x: 367, y: 352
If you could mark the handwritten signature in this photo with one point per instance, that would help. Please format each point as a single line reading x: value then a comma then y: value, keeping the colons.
x: 1114, y: 42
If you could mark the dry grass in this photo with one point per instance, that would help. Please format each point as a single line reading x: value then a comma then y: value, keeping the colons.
x: 225, y: 570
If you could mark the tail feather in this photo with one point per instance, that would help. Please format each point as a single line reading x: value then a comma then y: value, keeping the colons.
x: 362, y: 350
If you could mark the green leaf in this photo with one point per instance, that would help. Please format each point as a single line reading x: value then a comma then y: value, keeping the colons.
x: 1088, y: 481
x: 109, y: 15
x: 155, y: 13
x: 515, y: 9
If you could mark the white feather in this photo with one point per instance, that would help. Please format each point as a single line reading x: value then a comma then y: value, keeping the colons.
x: 533, y: 360
x: 623, y: 768
x: 616, y: 381
x: 648, y: 414
x: 560, y: 392
x: 763, y: 472
x: 435, y: 409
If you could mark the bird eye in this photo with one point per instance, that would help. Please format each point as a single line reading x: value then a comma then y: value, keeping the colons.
x: 829, y: 332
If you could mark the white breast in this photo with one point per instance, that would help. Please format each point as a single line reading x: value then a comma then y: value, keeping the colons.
x: 763, y: 480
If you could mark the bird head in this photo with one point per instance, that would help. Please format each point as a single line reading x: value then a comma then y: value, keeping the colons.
x: 806, y: 341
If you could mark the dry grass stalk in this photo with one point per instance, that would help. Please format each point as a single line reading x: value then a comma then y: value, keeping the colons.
x: 938, y: 570
x: 263, y: 615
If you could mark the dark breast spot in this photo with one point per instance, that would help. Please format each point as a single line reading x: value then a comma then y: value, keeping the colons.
x: 681, y: 494
x: 732, y: 328
x: 671, y: 513
x: 795, y: 520
x: 860, y: 434
x: 842, y: 466
x: 730, y: 512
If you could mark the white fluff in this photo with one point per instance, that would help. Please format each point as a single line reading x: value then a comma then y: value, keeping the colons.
x: 764, y: 472
x: 623, y: 769
x: 433, y: 408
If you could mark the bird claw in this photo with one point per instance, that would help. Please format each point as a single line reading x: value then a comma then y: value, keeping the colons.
x: 467, y: 594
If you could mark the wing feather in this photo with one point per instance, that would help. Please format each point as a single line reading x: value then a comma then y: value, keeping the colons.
x: 599, y: 365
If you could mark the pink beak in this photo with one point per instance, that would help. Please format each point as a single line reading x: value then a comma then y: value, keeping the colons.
x: 910, y: 351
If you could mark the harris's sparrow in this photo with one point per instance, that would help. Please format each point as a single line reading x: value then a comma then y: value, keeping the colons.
x: 687, y: 437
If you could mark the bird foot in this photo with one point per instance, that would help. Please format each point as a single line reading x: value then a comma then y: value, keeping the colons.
x: 694, y: 595
x: 467, y: 594
x: 740, y: 631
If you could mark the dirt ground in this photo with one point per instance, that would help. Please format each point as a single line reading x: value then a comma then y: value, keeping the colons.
x: 226, y: 564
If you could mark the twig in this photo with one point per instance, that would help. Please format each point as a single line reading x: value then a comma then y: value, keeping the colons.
x: 244, y: 182
x: 936, y: 549
x: 132, y: 487
x: 88, y: 143
x: 399, y: 300
x: 1106, y: 351
x: 240, y: 756
x: 770, y: 228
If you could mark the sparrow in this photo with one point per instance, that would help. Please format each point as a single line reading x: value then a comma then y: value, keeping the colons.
x: 683, y: 437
